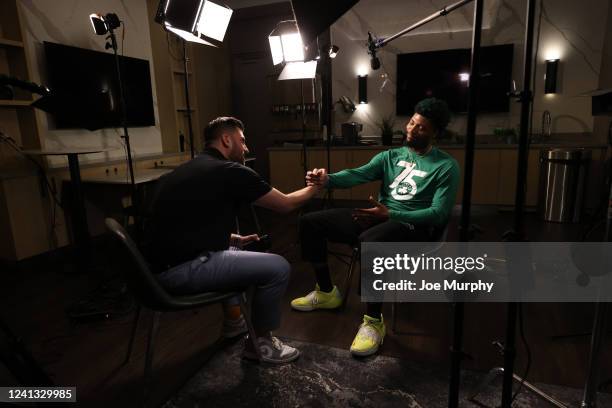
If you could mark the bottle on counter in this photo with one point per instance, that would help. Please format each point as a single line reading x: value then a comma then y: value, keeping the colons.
x: 181, y: 142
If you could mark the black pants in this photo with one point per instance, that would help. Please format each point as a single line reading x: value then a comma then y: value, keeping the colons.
x: 337, y: 225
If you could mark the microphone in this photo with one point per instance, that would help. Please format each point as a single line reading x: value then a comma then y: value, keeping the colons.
x: 374, y: 62
x: 20, y: 83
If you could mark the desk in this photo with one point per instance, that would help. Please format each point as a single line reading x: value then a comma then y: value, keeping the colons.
x: 108, y: 193
x: 140, y: 176
x: 249, y: 162
x: 80, y: 229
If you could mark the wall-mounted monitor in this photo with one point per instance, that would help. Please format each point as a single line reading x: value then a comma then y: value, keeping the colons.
x: 87, y: 80
x: 445, y: 75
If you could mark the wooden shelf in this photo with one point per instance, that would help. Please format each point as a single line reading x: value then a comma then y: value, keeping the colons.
x: 11, y: 43
x: 15, y: 103
x: 177, y: 72
x: 26, y: 221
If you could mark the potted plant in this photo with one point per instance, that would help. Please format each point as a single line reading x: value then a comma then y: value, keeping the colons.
x: 385, y: 125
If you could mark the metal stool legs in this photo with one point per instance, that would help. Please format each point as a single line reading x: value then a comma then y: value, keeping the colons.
x: 247, y: 318
x: 349, y: 277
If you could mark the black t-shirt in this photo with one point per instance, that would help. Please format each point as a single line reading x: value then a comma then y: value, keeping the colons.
x: 195, y: 206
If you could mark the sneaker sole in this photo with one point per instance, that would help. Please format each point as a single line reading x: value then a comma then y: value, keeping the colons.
x: 249, y: 355
x: 364, y: 353
x: 311, y: 308
x: 368, y: 352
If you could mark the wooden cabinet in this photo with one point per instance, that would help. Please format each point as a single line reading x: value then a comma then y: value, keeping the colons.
x: 339, y: 159
x: 459, y: 155
x: 362, y: 192
x: 23, y: 224
x: 494, y: 175
x: 287, y: 172
x: 507, y: 177
x: 485, y: 176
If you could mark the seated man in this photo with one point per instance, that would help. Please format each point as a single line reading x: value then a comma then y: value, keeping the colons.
x: 419, y: 183
x: 193, y: 217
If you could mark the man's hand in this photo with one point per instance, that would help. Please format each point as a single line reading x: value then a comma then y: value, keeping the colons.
x: 317, y: 177
x: 368, y: 217
x: 240, y: 241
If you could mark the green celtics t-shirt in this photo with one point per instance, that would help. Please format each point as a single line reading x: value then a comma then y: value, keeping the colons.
x: 416, y: 189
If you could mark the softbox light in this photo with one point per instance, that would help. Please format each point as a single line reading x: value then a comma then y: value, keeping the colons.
x: 299, y: 70
x: 285, y: 43
x: 200, y: 21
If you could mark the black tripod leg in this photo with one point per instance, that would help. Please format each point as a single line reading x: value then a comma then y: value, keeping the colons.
x: 589, y: 399
x: 456, y: 355
x: 509, y: 354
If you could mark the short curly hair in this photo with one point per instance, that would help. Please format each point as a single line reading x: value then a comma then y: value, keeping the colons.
x: 436, y: 110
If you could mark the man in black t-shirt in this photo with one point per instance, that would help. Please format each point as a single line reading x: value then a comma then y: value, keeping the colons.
x: 193, y: 220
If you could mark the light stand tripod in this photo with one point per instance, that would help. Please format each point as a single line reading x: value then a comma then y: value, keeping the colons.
x: 108, y: 24
x: 517, y: 234
x: 103, y: 25
x: 290, y: 72
x: 326, y: 103
x: 589, y: 399
x: 187, y: 102
x: 458, y: 308
x: 304, y: 150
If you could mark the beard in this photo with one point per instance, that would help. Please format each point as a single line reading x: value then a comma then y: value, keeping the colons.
x: 238, y: 158
x: 417, y: 143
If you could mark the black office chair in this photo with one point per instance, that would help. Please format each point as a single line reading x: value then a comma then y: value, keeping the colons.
x: 439, y: 238
x: 150, y: 294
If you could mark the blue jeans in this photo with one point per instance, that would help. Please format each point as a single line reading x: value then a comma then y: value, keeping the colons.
x: 228, y: 270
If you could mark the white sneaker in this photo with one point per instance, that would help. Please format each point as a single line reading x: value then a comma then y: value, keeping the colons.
x: 233, y: 328
x: 273, y: 351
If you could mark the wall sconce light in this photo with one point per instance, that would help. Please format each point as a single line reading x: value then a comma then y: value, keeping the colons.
x: 333, y: 51
x: 550, y: 78
x: 363, y: 88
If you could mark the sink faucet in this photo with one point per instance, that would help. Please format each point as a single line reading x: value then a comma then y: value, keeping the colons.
x: 546, y: 124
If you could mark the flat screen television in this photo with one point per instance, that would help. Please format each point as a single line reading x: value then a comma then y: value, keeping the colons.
x: 85, y: 82
x: 445, y: 75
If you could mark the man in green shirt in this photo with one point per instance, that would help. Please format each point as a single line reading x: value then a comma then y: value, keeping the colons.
x: 417, y: 194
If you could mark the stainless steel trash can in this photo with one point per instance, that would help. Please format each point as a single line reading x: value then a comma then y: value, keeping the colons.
x: 562, y: 183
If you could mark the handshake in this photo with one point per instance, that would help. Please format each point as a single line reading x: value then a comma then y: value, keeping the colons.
x: 317, y: 177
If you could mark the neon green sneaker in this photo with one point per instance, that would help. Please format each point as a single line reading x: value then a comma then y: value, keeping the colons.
x: 369, y: 337
x: 318, y: 299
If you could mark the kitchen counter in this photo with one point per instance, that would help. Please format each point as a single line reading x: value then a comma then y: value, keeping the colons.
x: 560, y: 144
